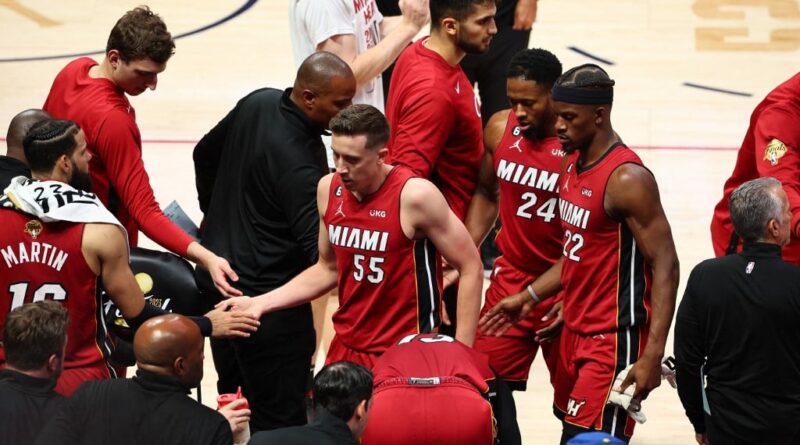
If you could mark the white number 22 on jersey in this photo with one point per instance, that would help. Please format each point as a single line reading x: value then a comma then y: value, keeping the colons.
x: 572, y: 244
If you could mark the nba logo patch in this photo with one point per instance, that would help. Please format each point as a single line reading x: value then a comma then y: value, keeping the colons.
x: 750, y: 267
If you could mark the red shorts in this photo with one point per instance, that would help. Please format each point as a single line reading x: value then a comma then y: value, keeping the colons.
x: 586, y: 371
x: 512, y: 353
x: 338, y: 352
x: 451, y: 412
x: 72, y: 378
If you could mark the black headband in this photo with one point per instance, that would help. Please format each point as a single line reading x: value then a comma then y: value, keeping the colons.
x: 583, y: 96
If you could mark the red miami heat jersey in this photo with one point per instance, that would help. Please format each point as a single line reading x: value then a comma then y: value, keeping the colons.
x: 433, y: 355
x: 44, y: 261
x: 389, y: 285
x: 605, y: 277
x: 527, y: 173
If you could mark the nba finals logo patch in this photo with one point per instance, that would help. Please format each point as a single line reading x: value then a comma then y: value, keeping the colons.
x: 774, y: 151
x: 33, y: 228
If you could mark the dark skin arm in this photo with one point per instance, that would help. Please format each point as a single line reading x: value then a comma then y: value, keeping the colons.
x: 632, y: 196
x: 485, y: 204
x: 516, y: 307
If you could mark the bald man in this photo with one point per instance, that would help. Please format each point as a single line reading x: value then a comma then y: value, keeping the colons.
x: 257, y: 173
x: 152, y: 407
x: 14, y: 164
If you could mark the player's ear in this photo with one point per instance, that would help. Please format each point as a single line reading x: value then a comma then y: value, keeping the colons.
x: 52, y: 362
x: 600, y: 114
x: 113, y: 57
x: 361, y: 410
x: 382, y: 153
x: 450, y: 26
x: 64, y: 163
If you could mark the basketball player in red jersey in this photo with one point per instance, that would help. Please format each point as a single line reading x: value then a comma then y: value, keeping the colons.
x: 619, y: 269
x: 428, y: 86
x: 518, y: 181
x: 58, y: 239
x: 380, y: 231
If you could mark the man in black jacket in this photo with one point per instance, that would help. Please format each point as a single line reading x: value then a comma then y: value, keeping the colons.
x: 257, y: 174
x: 342, y: 395
x: 737, y: 330
x: 34, y: 338
x: 152, y: 407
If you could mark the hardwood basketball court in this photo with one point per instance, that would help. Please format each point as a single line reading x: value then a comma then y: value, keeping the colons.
x: 688, y: 75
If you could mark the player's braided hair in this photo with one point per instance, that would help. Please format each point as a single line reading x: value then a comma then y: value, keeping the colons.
x: 586, y: 76
x: 535, y: 64
x: 47, y: 141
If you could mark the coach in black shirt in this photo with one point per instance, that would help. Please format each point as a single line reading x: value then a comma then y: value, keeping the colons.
x: 738, y: 329
x: 151, y: 408
x: 257, y: 174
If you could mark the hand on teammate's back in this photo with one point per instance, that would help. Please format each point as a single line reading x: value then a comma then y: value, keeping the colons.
x: 231, y: 324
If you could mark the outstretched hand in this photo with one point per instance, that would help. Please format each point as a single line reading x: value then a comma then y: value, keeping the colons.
x: 221, y: 272
x: 505, y: 313
x: 232, y: 324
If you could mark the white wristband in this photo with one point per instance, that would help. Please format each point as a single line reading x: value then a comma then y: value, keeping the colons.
x: 533, y: 295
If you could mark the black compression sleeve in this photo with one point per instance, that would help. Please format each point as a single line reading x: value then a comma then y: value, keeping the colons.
x: 151, y: 311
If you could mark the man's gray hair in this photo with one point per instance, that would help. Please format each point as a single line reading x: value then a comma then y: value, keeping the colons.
x: 753, y: 204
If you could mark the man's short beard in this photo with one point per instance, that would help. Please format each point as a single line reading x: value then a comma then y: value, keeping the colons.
x: 471, y: 48
x: 81, y: 181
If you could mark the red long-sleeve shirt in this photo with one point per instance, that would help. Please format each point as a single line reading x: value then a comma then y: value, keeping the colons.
x: 435, y: 122
x: 118, y: 175
x: 770, y: 148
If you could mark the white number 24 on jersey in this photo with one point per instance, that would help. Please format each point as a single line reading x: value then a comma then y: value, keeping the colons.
x: 547, y: 211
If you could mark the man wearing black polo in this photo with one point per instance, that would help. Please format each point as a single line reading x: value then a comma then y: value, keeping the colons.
x: 737, y: 330
x: 257, y: 174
